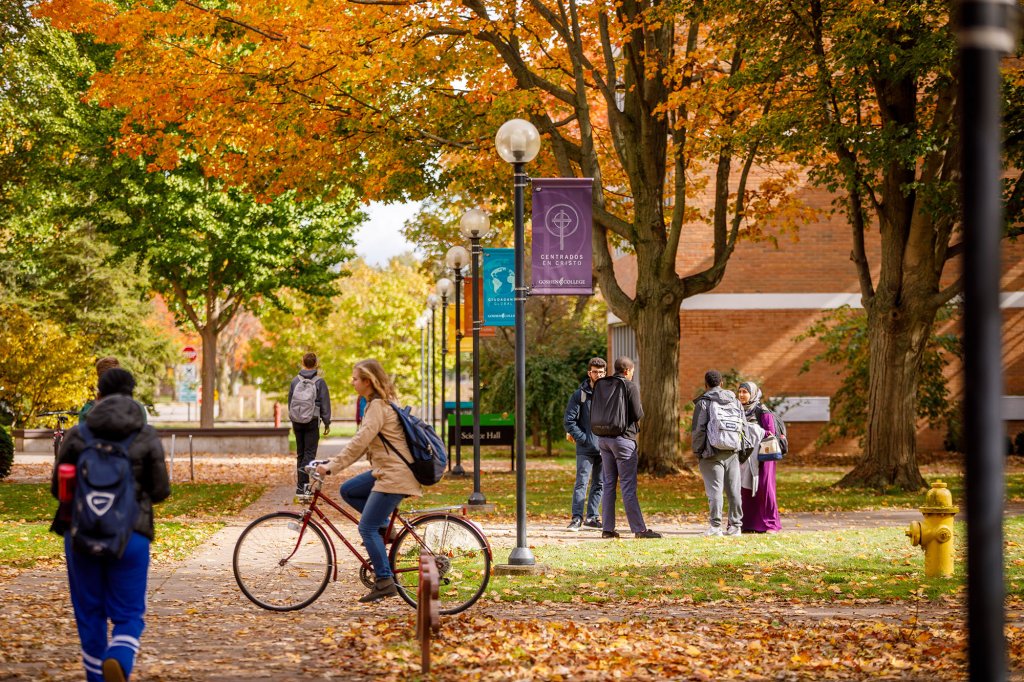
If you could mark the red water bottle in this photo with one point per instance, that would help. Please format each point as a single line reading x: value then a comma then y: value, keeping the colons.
x: 66, y: 482
x: 65, y: 490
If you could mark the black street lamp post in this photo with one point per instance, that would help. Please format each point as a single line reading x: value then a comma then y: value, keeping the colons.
x: 475, y: 225
x: 517, y: 143
x: 444, y: 288
x: 456, y: 259
x: 432, y: 303
x: 421, y: 324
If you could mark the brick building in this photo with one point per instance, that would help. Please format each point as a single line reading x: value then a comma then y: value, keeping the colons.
x: 770, y: 295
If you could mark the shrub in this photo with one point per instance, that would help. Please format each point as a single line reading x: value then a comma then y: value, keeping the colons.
x: 1018, y: 442
x: 6, y: 453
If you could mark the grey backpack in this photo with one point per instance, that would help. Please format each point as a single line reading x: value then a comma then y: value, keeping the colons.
x: 302, y: 406
x: 725, y: 425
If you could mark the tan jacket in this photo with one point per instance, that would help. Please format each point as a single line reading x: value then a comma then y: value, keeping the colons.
x: 393, y: 475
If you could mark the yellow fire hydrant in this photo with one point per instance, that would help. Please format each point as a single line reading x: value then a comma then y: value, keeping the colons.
x: 935, y: 533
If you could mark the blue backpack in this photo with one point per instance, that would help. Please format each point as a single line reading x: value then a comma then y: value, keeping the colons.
x: 105, y: 509
x: 429, y: 458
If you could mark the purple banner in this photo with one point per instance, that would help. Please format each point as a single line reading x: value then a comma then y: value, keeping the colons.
x: 562, y: 230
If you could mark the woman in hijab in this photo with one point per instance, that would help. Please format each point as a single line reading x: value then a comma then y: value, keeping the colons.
x: 760, y: 508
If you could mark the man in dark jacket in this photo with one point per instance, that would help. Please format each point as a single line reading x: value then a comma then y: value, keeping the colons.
x: 719, y: 468
x: 588, y: 456
x: 103, y: 589
x: 619, y: 461
x: 306, y: 415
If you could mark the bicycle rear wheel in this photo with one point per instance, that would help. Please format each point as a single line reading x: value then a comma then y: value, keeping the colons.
x: 460, y: 551
x: 280, y: 566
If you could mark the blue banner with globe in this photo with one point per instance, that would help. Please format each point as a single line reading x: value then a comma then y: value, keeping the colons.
x: 562, y: 227
x: 499, y: 275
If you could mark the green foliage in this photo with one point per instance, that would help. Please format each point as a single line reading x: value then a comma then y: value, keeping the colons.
x: 373, y: 316
x: 563, y: 334
x: 844, y: 333
x: 42, y: 367
x: 6, y: 453
x: 53, y: 161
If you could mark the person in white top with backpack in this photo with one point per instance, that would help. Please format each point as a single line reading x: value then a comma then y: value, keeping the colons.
x: 309, y: 403
x: 718, y: 429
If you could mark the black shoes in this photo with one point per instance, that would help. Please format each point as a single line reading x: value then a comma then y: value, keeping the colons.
x: 648, y: 534
x: 609, y: 534
x: 592, y: 522
x: 575, y: 524
x: 382, y: 588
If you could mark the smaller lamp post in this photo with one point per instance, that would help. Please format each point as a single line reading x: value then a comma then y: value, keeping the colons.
x: 444, y: 289
x: 421, y: 324
x: 474, y: 226
x: 432, y: 303
x: 456, y: 259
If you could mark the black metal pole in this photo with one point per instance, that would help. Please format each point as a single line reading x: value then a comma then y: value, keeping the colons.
x: 433, y: 370
x: 458, y: 470
x: 521, y: 555
x: 444, y: 366
x: 423, y: 356
x: 476, y: 497
x: 984, y: 38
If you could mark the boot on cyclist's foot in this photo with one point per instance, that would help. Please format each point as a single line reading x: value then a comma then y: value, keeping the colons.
x: 382, y: 588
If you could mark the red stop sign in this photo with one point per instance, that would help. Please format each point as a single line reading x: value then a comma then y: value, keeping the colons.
x: 190, y: 353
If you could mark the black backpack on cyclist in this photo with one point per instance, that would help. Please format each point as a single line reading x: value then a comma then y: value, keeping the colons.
x: 429, y: 458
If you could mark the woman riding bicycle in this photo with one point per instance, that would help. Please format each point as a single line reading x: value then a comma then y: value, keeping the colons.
x: 378, y: 492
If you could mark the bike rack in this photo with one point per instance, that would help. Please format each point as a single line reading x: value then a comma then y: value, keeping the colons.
x: 428, y: 617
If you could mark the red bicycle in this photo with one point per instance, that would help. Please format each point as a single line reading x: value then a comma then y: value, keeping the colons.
x: 63, y: 417
x: 284, y: 560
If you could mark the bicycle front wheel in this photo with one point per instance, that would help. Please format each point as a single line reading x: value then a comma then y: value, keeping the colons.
x: 460, y: 552
x: 280, y: 565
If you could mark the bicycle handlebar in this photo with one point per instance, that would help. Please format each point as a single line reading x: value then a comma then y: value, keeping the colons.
x: 57, y: 413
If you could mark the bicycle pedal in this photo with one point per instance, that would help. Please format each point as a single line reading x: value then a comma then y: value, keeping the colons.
x: 303, y: 499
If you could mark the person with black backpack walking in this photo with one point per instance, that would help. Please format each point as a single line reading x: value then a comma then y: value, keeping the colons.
x: 717, y: 437
x: 309, y: 403
x: 615, y: 419
x: 120, y: 475
x: 588, y: 456
x: 377, y: 492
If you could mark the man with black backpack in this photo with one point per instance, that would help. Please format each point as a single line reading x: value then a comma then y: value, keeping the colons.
x: 115, y: 465
x: 717, y: 437
x: 615, y: 419
x: 309, y: 403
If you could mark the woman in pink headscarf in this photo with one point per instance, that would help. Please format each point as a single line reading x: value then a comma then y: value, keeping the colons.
x: 760, y: 508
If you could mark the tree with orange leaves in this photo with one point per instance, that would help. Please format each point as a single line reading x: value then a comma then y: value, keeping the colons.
x: 401, y: 99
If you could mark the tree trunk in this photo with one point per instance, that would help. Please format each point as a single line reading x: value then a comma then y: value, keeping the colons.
x: 897, y: 336
x: 657, y: 337
x: 208, y: 374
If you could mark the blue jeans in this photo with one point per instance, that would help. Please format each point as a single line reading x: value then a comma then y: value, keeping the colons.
x: 375, y: 513
x: 618, y: 466
x: 587, y: 467
x: 111, y: 590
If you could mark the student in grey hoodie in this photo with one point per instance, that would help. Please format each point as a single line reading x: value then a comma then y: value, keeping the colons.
x: 719, y: 468
x: 309, y: 403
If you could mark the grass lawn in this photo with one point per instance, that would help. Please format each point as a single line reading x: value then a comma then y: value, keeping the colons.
x: 876, y: 564
x: 26, y: 510
x: 550, y: 482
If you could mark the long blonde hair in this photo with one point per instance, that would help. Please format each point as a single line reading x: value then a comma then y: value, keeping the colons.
x: 372, y: 371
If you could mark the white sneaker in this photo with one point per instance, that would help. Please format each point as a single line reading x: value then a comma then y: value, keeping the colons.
x: 732, y: 530
x: 712, y: 532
